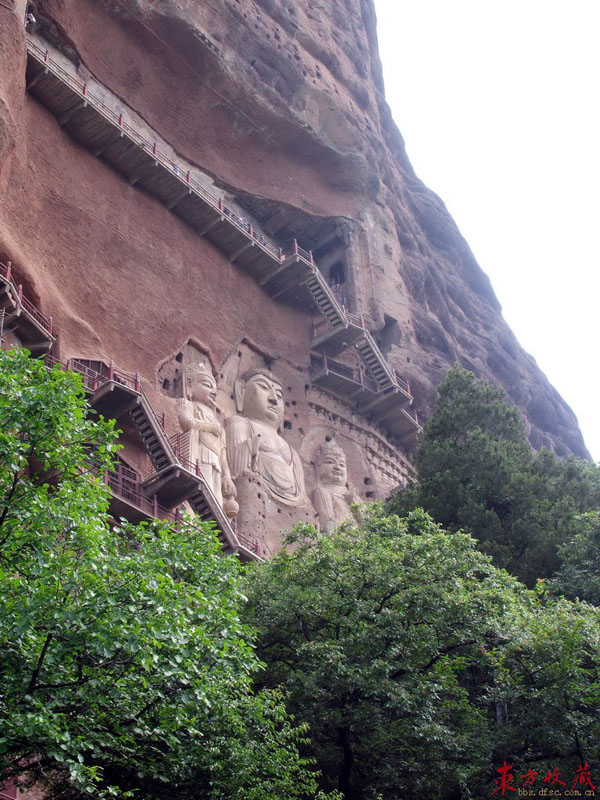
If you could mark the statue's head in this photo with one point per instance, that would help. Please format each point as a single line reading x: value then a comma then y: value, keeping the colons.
x: 259, y: 396
x: 200, y: 385
x: 330, y: 461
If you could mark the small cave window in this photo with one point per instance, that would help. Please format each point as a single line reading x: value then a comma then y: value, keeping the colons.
x: 390, y: 333
x: 337, y: 274
x: 31, y: 15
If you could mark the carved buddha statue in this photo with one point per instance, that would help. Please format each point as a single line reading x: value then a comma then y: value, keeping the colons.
x: 254, y: 444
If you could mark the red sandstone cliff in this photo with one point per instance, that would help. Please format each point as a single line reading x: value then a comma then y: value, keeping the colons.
x: 280, y: 105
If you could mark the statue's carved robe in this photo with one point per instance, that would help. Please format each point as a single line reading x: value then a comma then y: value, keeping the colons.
x: 332, y: 504
x: 207, y: 442
x: 278, y: 465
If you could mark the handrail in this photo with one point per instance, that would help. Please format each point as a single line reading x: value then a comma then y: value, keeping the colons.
x: 355, y: 319
x: 33, y: 311
x: 404, y: 384
x: 180, y: 442
x: 410, y: 412
x: 305, y: 254
x: 94, y: 379
x: 354, y: 374
x: 151, y: 148
x: 322, y: 325
x: 128, y: 488
x: 249, y: 543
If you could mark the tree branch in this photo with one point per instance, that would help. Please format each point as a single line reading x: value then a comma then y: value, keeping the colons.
x: 37, y: 670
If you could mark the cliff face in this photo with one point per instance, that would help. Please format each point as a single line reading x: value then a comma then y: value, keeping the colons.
x: 279, y: 107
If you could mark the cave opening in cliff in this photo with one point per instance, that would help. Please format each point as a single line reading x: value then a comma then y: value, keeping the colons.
x: 390, y: 334
x: 337, y: 274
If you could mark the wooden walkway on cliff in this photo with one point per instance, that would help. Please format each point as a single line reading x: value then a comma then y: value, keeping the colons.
x: 172, y: 478
x: 294, y: 277
x: 21, y: 316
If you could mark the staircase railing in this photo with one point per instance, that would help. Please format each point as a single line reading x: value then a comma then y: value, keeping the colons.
x: 43, y: 321
x: 125, y: 483
x: 354, y: 374
x: 323, y: 325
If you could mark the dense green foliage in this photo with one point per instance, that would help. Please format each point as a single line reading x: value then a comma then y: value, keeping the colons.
x: 477, y: 472
x: 124, y: 664
x: 419, y: 665
x: 579, y: 574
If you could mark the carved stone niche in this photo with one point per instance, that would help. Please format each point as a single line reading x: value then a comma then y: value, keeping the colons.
x: 333, y: 494
x: 170, y: 371
x: 374, y: 466
x: 331, y: 489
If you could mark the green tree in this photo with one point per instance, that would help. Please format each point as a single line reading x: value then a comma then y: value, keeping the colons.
x: 370, y: 630
x: 579, y: 574
x: 547, y: 680
x: 476, y: 471
x: 419, y: 665
x: 124, y: 664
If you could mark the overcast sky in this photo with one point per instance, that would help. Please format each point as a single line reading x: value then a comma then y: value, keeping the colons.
x: 498, y: 106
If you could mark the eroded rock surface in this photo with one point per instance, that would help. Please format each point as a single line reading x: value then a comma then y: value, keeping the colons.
x: 280, y: 105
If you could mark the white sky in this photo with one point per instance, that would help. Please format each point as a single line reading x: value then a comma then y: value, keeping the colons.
x: 498, y: 103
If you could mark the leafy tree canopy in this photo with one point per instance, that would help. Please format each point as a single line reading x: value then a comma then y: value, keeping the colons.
x: 125, y: 667
x: 579, y: 574
x: 476, y: 471
x: 419, y: 665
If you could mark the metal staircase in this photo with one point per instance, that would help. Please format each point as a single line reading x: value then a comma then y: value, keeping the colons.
x: 325, y: 299
x: 202, y: 508
x: 376, y: 364
x: 155, y: 442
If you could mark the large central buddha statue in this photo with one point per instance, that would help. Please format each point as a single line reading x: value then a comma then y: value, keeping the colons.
x: 254, y: 444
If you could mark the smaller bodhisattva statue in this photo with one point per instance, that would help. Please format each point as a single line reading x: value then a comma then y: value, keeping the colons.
x: 196, y: 414
x: 333, y: 495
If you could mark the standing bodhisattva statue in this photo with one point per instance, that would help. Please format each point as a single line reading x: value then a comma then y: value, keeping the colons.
x: 254, y: 444
x: 196, y: 414
x: 333, y: 495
